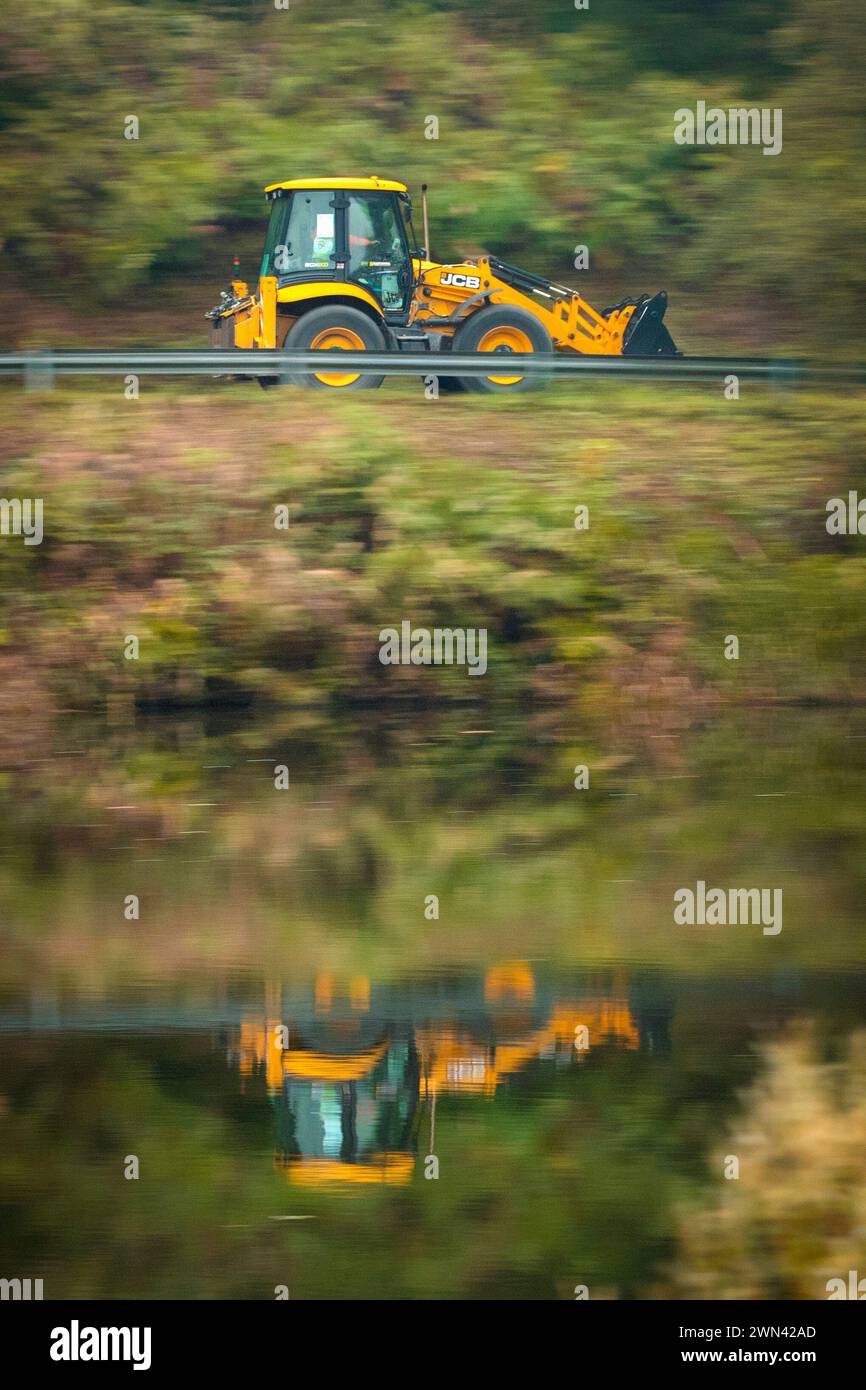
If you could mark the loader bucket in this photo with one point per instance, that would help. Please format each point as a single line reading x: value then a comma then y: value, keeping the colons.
x: 646, y: 334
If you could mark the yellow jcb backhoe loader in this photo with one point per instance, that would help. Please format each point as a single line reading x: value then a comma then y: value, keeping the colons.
x: 342, y: 270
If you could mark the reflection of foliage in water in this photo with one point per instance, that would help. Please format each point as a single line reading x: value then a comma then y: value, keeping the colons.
x: 796, y: 1216
x: 569, y: 1177
x: 564, y: 1176
x: 376, y: 820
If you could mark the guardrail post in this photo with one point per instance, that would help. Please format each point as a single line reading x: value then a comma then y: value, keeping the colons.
x: 39, y: 372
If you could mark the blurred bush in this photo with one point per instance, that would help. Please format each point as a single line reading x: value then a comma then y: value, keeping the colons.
x: 712, y: 522
x: 794, y: 1219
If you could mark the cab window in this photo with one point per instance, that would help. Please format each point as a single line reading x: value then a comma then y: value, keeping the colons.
x: 307, y: 238
x: 378, y: 250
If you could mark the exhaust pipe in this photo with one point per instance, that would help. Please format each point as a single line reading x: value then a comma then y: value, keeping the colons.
x: 424, y: 219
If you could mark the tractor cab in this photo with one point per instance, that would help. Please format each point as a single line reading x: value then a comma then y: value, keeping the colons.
x: 352, y: 231
x: 343, y: 272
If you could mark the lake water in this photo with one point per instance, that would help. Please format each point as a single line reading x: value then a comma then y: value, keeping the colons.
x: 242, y: 991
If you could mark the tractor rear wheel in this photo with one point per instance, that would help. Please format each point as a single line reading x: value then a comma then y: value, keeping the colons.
x: 336, y: 328
x: 500, y: 328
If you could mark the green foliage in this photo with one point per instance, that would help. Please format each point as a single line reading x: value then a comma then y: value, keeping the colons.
x: 713, y: 523
x: 799, y: 1196
x: 556, y: 128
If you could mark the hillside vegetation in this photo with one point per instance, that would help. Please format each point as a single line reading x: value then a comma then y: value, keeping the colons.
x: 706, y: 517
x: 555, y: 130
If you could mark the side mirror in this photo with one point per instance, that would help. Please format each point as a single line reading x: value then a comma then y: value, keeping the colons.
x: 422, y: 252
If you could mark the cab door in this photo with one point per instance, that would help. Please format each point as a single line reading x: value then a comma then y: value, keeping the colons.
x: 302, y: 236
x: 378, y: 250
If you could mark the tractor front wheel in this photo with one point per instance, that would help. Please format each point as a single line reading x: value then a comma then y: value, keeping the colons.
x: 336, y: 328
x: 499, y: 328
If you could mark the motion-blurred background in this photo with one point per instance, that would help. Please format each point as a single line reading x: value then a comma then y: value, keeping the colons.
x: 555, y: 129
x: 303, y: 905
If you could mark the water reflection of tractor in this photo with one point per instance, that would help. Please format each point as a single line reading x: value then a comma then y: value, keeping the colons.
x: 348, y: 1068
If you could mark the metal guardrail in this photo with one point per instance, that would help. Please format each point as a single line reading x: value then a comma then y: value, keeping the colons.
x: 39, y: 368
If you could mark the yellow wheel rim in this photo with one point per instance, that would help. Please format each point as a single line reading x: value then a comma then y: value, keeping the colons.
x: 337, y: 339
x: 505, y: 339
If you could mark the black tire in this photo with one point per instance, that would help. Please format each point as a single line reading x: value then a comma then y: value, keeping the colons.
x: 445, y: 385
x: 355, y: 322
x: 503, y: 317
x: 451, y: 385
